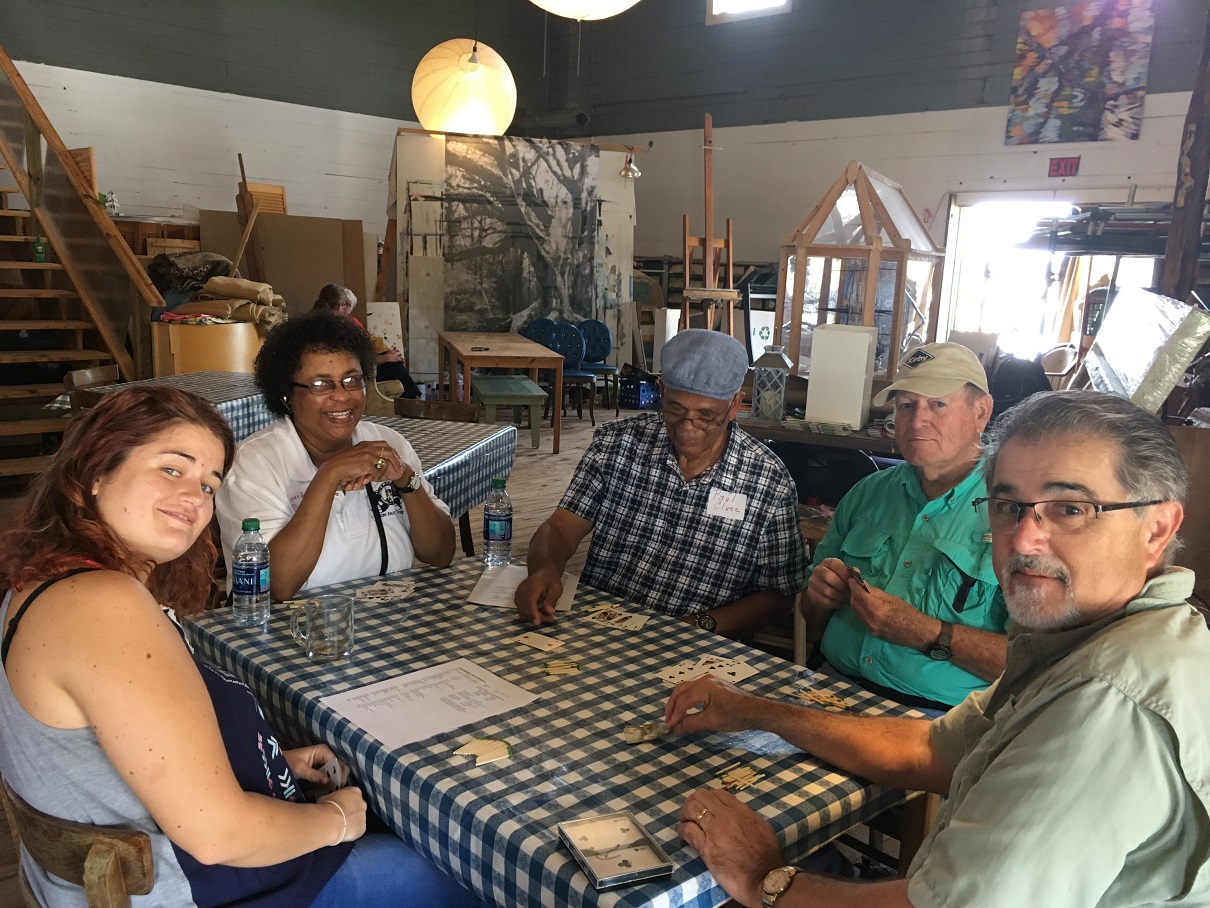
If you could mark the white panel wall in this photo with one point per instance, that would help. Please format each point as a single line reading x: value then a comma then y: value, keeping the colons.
x: 767, y: 177
x: 160, y: 147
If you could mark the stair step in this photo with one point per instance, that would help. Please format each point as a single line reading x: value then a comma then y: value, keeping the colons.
x: 31, y: 266
x: 29, y: 392
x: 16, y: 238
x: 9, y: 189
x: 53, y: 356
x: 10, y: 427
x: 37, y: 294
x: 47, y: 324
x: 15, y: 213
x: 24, y: 466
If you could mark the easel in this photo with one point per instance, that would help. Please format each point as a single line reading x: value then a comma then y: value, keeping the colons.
x: 709, y: 295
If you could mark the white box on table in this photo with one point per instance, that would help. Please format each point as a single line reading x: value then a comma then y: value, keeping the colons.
x: 842, y: 374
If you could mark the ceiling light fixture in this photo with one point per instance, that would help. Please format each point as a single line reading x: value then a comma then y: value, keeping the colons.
x: 585, y: 9
x: 629, y: 170
x: 464, y: 86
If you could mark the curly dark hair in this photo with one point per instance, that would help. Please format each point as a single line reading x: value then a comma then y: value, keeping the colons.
x: 317, y: 331
x: 58, y: 527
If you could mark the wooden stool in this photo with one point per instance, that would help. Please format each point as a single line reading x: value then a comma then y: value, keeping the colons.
x: 514, y: 391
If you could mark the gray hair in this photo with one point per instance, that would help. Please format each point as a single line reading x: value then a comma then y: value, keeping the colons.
x: 1150, y: 466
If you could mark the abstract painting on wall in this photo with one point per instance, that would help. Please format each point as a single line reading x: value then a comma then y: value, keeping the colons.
x: 1080, y: 73
x: 521, y: 219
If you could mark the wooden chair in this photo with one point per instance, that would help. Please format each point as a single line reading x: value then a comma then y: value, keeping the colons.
x: 454, y: 412
x: 79, y: 379
x: 111, y: 863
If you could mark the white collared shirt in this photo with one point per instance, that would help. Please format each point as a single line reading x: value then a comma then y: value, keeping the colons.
x: 272, y: 472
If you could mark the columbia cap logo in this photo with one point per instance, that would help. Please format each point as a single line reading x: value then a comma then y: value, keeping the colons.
x: 918, y: 358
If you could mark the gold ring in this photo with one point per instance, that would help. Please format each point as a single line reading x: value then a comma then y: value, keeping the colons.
x: 380, y: 463
x: 698, y: 818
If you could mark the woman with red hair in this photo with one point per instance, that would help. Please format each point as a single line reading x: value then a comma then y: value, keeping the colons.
x: 108, y: 719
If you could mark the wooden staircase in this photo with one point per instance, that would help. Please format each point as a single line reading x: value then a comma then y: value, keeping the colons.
x: 70, y: 311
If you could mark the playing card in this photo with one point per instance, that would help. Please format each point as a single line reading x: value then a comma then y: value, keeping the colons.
x: 387, y: 590
x: 332, y: 770
x: 539, y: 641
x: 681, y: 672
x: 856, y: 572
x: 737, y: 671
x: 614, y: 617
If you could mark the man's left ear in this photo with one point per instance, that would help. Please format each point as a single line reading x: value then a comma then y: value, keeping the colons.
x: 1162, y: 523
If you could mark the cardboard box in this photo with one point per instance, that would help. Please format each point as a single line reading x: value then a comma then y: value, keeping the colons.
x: 177, y: 349
x: 842, y: 375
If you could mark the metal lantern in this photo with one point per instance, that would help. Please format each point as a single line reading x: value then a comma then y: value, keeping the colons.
x: 769, y: 384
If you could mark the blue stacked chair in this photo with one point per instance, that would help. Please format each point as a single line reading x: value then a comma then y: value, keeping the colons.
x: 540, y: 331
x: 569, y: 341
x: 600, y: 344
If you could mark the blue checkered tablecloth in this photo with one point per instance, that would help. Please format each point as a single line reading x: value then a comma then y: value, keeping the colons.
x: 234, y: 395
x: 494, y: 827
x: 460, y: 459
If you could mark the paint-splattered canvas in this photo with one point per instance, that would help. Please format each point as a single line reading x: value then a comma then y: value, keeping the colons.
x: 1081, y: 73
x: 521, y: 232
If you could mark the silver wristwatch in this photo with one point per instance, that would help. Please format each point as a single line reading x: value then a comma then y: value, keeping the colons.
x: 776, y: 882
x: 412, y: 484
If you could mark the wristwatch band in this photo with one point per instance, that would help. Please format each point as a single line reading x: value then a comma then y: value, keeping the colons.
x: 776, y: 882
x: 411, y: 485
x: 940, y: 649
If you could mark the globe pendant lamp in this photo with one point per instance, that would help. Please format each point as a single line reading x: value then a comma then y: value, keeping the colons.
x: 464, y: 86
x: 585, y: 9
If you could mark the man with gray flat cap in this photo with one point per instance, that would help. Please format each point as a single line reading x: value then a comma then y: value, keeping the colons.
x: 902, y: 588
x: 690, y: 516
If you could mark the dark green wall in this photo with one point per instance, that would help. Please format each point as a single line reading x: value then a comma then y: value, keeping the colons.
x: 655, y: 67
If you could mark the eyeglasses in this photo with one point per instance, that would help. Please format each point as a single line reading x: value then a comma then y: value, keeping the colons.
x: 674, y: 415
x: 322, y: 387
x: 1062, y: 517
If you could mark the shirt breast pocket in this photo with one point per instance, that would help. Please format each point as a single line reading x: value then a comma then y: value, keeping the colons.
x: 963, y: 584
x: 872, y: 551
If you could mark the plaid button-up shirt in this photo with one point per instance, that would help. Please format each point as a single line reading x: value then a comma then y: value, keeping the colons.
x: 655, y: 539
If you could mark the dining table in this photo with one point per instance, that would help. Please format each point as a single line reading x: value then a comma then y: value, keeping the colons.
x: 460, y: 352
x: 494, y: 826
x: 234, y: 394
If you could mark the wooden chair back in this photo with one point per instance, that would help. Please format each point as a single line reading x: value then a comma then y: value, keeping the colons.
x: 436, y: 409
x: 111, y: 863
x: 79, y: 379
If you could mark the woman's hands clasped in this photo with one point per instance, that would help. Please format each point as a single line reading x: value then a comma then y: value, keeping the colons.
x: 366, y: 462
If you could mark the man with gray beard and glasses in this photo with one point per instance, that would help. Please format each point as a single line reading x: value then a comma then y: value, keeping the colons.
x: 1081, y: 777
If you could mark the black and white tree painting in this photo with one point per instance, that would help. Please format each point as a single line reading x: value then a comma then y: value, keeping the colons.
x: 522, y: 230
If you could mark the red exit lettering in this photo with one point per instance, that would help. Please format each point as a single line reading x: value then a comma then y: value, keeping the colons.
x: 1064, y: 167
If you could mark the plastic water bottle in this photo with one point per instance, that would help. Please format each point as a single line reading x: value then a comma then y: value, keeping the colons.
x: 250, y: 577
x: 497, y: 526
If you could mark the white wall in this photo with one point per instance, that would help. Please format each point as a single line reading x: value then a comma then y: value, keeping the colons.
x: 767, y: 178
x: 160, y: 147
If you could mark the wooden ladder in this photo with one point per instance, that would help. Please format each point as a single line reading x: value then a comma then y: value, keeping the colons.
x: 70, y: 287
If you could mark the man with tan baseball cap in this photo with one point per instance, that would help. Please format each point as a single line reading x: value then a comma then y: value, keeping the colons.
x: 902, y: 595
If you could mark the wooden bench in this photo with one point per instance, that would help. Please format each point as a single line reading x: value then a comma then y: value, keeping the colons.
x: 510, y: 390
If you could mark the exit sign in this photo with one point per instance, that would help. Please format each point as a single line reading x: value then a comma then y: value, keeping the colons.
x: 1064, y: 167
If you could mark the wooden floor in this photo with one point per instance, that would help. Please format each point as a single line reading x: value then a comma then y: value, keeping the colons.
x: 535, y: 486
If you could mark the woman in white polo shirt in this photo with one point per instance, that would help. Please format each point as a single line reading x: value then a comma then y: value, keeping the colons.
x: 337, y: 498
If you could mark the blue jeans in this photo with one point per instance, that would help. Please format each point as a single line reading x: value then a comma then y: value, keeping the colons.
x: 382, y: 870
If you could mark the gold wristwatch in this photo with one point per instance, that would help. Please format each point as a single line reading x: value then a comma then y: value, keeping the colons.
x: 776, y: 882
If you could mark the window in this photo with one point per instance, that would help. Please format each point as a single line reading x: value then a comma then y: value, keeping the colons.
x: 731, y: 10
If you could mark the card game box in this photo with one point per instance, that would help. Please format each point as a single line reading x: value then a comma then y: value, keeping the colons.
x: 615, y: 850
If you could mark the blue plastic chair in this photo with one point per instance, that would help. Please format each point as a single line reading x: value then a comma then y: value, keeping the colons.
x: 569, y: 341
x: 600, y: 344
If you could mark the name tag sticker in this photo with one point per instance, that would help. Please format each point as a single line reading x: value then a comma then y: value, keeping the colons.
x: 728, y: 505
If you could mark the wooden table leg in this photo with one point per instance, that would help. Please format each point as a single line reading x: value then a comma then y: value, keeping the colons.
x: 442, y: 370
x: 557, y: 407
